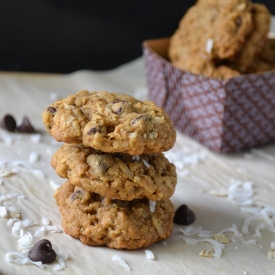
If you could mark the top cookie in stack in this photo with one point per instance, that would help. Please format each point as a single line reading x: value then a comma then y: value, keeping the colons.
x: 118, y: 177
x: 111, y: 123
x: 222, y: 38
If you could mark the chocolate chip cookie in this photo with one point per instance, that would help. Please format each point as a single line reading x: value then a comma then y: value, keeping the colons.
x: 203, y: 65
x: 110, y: 122
x: 216, y: 29
x: 255, y: 41
x: 119, y: 176
x: 97, y: 220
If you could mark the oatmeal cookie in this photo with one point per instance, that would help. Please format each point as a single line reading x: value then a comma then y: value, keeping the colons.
x: 217, y: 30
x: 255, y: 41
x: 98, y: 221
x: 120, y: 176
x: 202, y: 65
x: 268, y: 52
x: 110, y: 122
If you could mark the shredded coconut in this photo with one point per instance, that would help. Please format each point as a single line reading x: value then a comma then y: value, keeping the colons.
x: 121, y: 261
x: 152, y: 205
x: 251, y: 241
x: 25, y: 242
x: 258, y: 229
x: 20, y: 259
x: 149, y: 255
x: 54, y: 185
x: 136, y: 157
x: 209, y: 45
x: 145, y: 163
x: 35, y: 138
x: 33, y: 158
x: 3, y: 212
x: 190, y: 230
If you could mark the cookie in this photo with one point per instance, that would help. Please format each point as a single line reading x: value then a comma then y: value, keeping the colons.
x: 120, y: 176
x: 268, y: 52
x: 204, y: 66
x: 255, y: 41
x: 110, y: 122
x: 98, y: 221
x: 216, y: 30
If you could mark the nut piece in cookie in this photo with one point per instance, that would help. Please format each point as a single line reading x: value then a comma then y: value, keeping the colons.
x: 97, y: 220
x: 116, y: 175
x: 110, y: 122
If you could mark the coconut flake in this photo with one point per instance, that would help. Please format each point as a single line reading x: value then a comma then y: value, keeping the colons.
x: 35, y: 138
x: 136, y: 157
x: 20, y: 259
x: 5, y: 174
x: 190, y: 240
x: 257, y: 230
x: 206, y: 234
x: 219, y: 193
x: 209, y: 45
x: 3, y: 212
x: 12, y: 195
x: 251, y: 241
x: 25, y: 242
x: 234, y: 229
x: 45, y: 221
x: 145, y: 163
x: 33, y: 157
x: 190, y: 230
x: 240, y: 192
x: 247, y: 222
x: 149, y: 255
x: 121, y: 261
x: 266, y: 213
x: 17, y: 226
x: 54, y: 184
x: 61, y: 258
x: 152, y: 205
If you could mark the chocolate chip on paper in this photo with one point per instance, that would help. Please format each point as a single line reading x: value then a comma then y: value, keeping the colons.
x: 184, y: 216
x: 26, y: 126
x: 42, y: 252
x: 8, y: 123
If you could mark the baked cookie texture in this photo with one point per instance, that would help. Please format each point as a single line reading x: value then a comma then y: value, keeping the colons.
x: 220, y: 39
x: 120, y: 176
x: 110, y: 122
x: 97, y: 220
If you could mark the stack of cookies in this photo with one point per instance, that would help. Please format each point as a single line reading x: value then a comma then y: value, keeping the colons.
x: 223, y: 39
x: 119, y: 182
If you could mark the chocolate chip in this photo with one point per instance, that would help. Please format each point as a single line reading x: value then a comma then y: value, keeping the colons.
x: 42, y: 251
x: 92, y: 131
x: 184, y: 216
x: 8, y: 123
x: 118, y: 111
x: 26, y: 126
x: 238, y: 21
x: 51, y: 110
x: 136, y: 119
x: 122, y: 100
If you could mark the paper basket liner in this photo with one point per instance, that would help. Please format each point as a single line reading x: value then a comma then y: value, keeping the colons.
x: 224, y: 115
